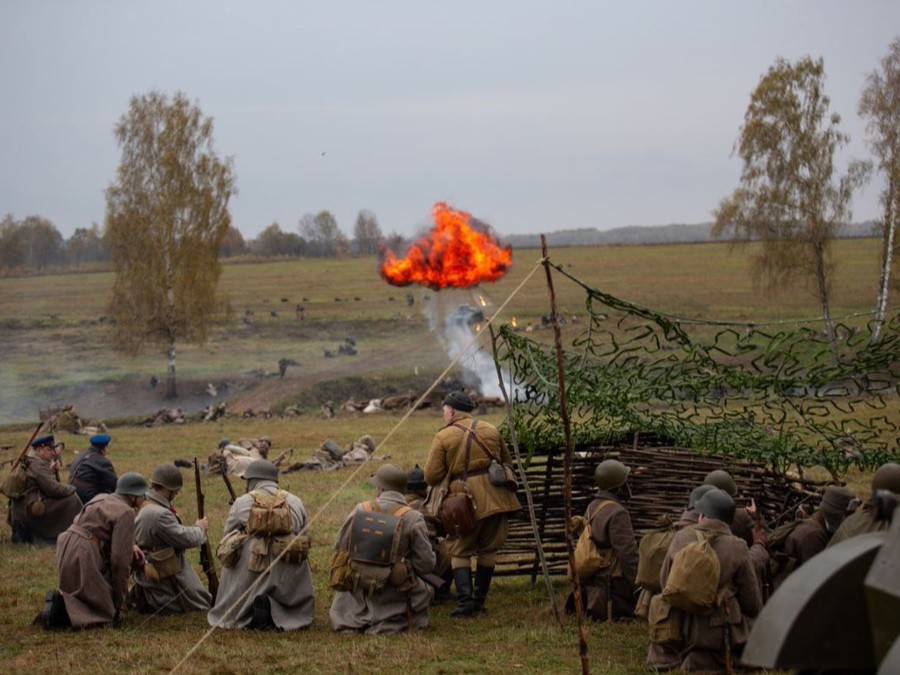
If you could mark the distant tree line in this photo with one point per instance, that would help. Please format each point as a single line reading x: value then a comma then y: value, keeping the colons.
x: 34, y: 244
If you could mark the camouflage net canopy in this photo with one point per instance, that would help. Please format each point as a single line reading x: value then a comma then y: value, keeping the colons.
x: 772, y: 393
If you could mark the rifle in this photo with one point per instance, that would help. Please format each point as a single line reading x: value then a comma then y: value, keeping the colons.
x: 228, y: 485
x: 21, y: 456
x: 206, y: 559
x: 729, y: 656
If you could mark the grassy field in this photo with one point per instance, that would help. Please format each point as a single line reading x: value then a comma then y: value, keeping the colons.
x: 56, y: 351
x: 56, y: 348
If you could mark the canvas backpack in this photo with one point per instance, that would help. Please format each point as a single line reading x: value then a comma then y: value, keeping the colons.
x: 373, y: 548
x: 269, y: 514
x: 589, y: 560
x: 693, y: 581
x: 652, y: 552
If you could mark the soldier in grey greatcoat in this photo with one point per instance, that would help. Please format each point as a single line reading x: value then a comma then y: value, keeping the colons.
x: 46, y: 507
x: 611, y: 529
x: 283, y: 598
x: 493, y: 503
x: 705, y: 636
x: 402, y: 604
x: 91, y: 472
x: 95, y: 555
x: 167, y: 584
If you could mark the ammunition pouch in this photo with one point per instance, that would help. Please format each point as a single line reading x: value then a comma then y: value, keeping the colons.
x: 162, y: 564
x: 259, y: 554
x: 294, y: 548
x: 229, y: 549
x: 664, y: 622
x: 339, y: 579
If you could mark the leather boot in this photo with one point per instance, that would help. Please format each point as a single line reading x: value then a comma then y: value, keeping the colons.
x: 465, y: 602
x: 483, y: 576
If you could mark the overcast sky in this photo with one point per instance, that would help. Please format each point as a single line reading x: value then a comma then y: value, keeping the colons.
x: 532, y: 116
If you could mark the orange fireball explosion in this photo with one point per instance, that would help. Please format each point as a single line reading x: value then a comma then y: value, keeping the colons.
x: 453, y: 254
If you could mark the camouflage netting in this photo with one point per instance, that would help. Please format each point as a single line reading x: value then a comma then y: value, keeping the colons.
x: 760, y: 400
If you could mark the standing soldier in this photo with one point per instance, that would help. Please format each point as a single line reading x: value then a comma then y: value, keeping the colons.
x: 463, y: 449
x: 867, y: 519
x: 95, y: 554
x: 262, y: 525
x: 91, y: 472
x: 614, y: 586
x: 383, y: 590
x: 167, y: 583
x: 46, y: 507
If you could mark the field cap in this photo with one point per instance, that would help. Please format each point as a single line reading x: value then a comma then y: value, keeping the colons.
x: 390, y: 477
x: 100, y: 439
x: 459, y: 400
x: 43, y: 440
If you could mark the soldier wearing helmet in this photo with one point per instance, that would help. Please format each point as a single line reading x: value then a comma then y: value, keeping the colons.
x: 707, y: 636
x: 95, y: 554
x: 167, y: 584
x: 869, y: 518
x: 283, y: 598
x: 612, y: 588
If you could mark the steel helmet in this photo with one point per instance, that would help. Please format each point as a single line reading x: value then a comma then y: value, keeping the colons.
x: 716, y: 504
x: 610, y: 474
x: 261, y: 469
x: 722, y: 480
x: 131, y: 483
x: 167, y: 476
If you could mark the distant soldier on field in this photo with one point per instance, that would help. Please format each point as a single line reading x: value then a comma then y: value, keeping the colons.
x: 91, y: 472
x: 167, y: 583
x: 94, y: 556
x: 45, y: 507
x: 264, y: 525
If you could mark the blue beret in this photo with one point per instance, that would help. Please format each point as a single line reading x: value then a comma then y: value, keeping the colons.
x: 100, y: 439
x: 43, y: 440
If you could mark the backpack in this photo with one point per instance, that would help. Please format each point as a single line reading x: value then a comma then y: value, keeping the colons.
x: 693, y: 581
x: 652, y: 552
x: 15, y: 483
x: 373, y: 548
x: 589, y: 560
x: 269, y: 514
x: 780, y: 564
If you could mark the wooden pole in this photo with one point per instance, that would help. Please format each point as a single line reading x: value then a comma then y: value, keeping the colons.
x: 523, y: 479
x: 567, y: 462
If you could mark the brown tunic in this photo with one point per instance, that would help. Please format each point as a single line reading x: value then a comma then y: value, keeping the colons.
x: 861, y: 522
x: 704, y: 635
x: 611, y: 529
x: 94, y: 558
x: 61, y: 502
x: 808, y: 539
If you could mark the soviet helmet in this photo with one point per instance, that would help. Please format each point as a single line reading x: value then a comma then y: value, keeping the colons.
x: 131, y: 483
x: 167, y: 476
x: 390, y: 477
x: 698, y: 492
x: 415, y: 479
x: 716, y: 504
x: 610, y: 474
x: 262, y: 469
x: 887, y: 478
x: 722, y: 480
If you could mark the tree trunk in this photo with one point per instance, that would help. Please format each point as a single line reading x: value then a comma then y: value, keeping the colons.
x: 823, y: 298
x: 170, y: 369
x: 887, y: 259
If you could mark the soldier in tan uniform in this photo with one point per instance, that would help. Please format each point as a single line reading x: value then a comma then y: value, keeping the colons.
x: 493, y: 503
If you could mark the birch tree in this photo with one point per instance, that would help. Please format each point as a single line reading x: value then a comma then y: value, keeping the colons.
x: 166, y: 217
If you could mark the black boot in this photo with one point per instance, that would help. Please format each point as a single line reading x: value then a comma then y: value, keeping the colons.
x: 262, y: 614
x: 53, y: 615
x: 483, y: 576
x: 465, y: 602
